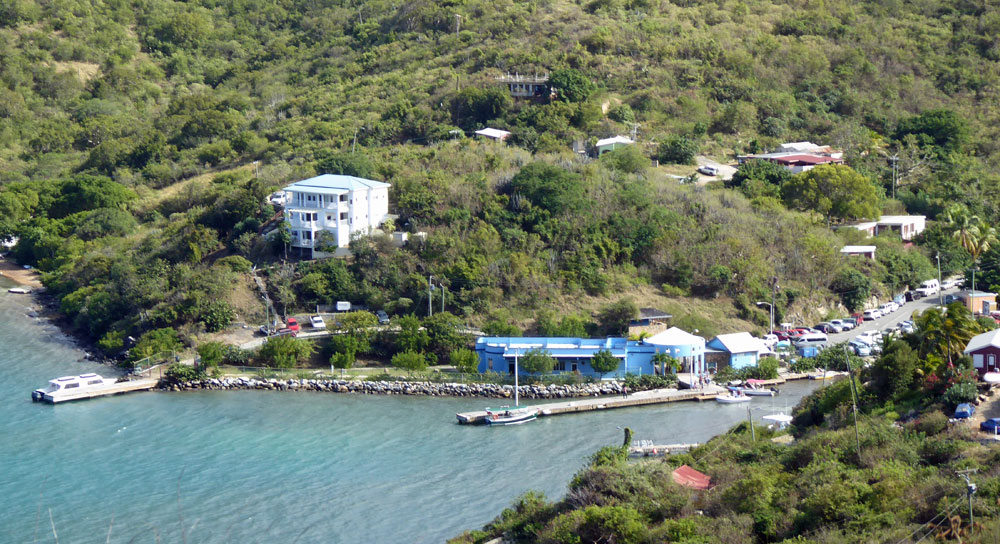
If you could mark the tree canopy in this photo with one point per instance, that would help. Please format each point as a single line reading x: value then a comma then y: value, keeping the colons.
x: 835, y: 191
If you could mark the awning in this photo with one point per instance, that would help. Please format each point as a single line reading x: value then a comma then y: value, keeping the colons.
x: 689, y: 477
x: 991, y: 377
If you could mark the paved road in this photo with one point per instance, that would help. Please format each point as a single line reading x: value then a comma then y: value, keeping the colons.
x: 905, y: 312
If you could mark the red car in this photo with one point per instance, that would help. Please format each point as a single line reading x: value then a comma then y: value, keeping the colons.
x: 293, y: 325
x: 782, y: 335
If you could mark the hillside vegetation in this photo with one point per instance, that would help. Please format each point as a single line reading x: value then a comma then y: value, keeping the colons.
x: 111, y: 108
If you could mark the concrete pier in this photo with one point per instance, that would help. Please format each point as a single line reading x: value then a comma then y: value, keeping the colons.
x: 641, y: 398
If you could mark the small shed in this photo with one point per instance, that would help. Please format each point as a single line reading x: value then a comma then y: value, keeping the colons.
x: 984, y: 350
x: 689, y: 477
x: 867, y: 252
x: 979, y: 302
x: 493, y: 134
x: 609, y: 144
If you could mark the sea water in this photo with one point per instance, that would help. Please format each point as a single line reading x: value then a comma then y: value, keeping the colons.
x: 249, y: 466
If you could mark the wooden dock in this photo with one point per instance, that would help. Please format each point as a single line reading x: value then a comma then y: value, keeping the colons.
x: 115, y: 389
x: 645, y: 449
x: 588, y: 404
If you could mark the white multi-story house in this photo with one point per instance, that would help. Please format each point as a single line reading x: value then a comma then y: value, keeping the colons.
x: 338, y: 205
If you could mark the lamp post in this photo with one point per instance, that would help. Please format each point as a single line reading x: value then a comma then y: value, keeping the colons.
x: 771, y: 308
x: 938, y: 257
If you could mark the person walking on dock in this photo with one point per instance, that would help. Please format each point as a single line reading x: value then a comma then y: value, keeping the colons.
x: 624, y: 391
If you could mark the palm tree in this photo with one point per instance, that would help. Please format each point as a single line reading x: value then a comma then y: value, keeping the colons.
x: 946, y: 333
x: 962, y: 224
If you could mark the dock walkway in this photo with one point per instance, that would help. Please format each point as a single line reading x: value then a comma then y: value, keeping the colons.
x: 587, y: 404
x: 118, y: 388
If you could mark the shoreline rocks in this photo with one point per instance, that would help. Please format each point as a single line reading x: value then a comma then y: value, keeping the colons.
x: 430, y: 389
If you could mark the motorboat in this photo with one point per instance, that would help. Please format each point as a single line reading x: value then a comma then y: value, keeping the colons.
x: 69, y: 387
x: 732, y: 398
x: 507, y: 416
x: 752, y: 388
x: 19, y: 291
x: 778, y: 421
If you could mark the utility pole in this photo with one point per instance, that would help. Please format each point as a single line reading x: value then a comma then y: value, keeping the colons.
x: 430, y: 296
x: 355, y: 144
x: 753, y: 434
x: 441, y: 285
x: 635, y: 128
x: 458, y: 23
x: 854, y: 399
x: 894, y: 159
x: 970, y: 489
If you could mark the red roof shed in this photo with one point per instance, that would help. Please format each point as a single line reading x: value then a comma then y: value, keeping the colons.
x: 689, y: 477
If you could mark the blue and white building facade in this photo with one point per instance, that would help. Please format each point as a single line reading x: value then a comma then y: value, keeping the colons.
x: 738, y: 350
x: 573, y: 355
x: 338, y: 205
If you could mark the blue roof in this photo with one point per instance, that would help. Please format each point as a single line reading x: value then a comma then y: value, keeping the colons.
x: 558, y: 346
x: 334, y: 183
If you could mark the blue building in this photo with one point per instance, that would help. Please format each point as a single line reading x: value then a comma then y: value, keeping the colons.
x: 738, y: 350
x: 497, y: 354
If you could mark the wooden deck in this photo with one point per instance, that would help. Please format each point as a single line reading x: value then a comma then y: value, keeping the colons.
x: 588, y: 404
x: 116, y: 389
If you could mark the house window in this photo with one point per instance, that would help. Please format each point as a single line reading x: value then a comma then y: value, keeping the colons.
x: 329, y: 217
x: 343, y: 197
x: 991, y: 361
x: 307, y: 235
x: 343, y: 215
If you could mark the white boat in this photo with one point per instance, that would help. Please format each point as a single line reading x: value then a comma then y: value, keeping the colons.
x: 732, y: 398
x: 779, y: 421
x: 19, y: 291
x: 750, y: 392
x: 515, y: 415
x: 507, y: 416
x: 70, y: 387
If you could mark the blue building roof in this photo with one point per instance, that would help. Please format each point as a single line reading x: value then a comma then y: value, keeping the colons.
x: 333, y: 183
x: 558, y: 347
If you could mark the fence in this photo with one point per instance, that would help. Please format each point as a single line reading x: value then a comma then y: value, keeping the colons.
x: 152, y: 366
x: 395, y: 374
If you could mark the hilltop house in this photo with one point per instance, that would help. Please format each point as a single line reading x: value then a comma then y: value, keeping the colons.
x: 524, y: 86
x: 737, y: 350
x: 336, y: 205
x: 984, y: 350
x: 907, y: 226
x: 496, y: 354
x: 867, y: 252
x: 610, y: 144
x: 798, y: 157
x: 494, y: 134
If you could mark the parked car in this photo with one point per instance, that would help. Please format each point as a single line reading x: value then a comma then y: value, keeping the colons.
x: 708, y: 170
x: 845, y: 324
x: 769, y: 340
x: 871, y: 315
x: 886, y: 308
x: 860, y: 348
x: 964, y: 411
x: 991, y: 425
x: 383, y: 318
x: 929, y: 287
x: 284, y: 331
x: 858, y: 317
x: 906, y: 328
x: 811, y: 339
x: 782, y: 335
x: 292, y: 324
x: 317, y: 322
x: 869, y: 336
x: 914, y: 295
x: 828, y: 327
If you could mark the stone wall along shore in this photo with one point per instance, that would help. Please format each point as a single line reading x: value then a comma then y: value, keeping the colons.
x: 401, y: 388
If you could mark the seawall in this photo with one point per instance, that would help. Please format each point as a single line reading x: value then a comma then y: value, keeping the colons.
x: 401, y: 388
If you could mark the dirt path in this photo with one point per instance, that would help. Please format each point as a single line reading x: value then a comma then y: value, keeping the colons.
x: 18, y: 274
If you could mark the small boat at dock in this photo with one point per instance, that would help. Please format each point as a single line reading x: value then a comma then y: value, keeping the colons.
x: 19, y: 290
x: 507, y: 416
x: 732, y: 398
x: 72, y: 387
x: 752, y: 388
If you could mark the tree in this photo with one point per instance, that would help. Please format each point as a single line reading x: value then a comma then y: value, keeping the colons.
x: 498, y: 327
x: 154, y: 342
x: 536, y: 361
x: 284, y: 352
x: 465, y: 360
x: 211, y: 354
x: 629, y: 159
x: 614, y: 318
x: 411, y: 337
x: 549, y: 187
x: 768, y: 175
x: 943, y: 130
x: 894, y: 371
x: 446, y: 332
x: 833, y: 190
x: 604, y: 362
x: 474, y: 106
x: 668, y: 363
x: 571, y: 85
x: 410, y: 360
x: 347, y: 164
x: 678, y: 150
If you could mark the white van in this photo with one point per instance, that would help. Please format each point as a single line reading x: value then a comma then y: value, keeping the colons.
x: 886, y: 308
x: 870, y: 315
x: 929, y: 287
x: 811, y: 339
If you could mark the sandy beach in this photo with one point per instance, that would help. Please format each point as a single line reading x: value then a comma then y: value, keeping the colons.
x: 18, y: 274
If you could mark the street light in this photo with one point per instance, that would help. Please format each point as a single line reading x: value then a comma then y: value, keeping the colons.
x: 938, y: 257
x: 771, y: 308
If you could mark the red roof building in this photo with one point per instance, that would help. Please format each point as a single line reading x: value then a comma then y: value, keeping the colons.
x: 689, y: 477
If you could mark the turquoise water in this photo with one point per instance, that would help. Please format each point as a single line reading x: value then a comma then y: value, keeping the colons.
x: 280, y: 467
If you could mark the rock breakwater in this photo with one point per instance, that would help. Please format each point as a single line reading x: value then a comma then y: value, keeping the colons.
x: 400, y: 388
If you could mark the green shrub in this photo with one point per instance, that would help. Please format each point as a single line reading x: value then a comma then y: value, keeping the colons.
x: 178, y: 373
x: 959, y: 393
x: 931, y: 423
